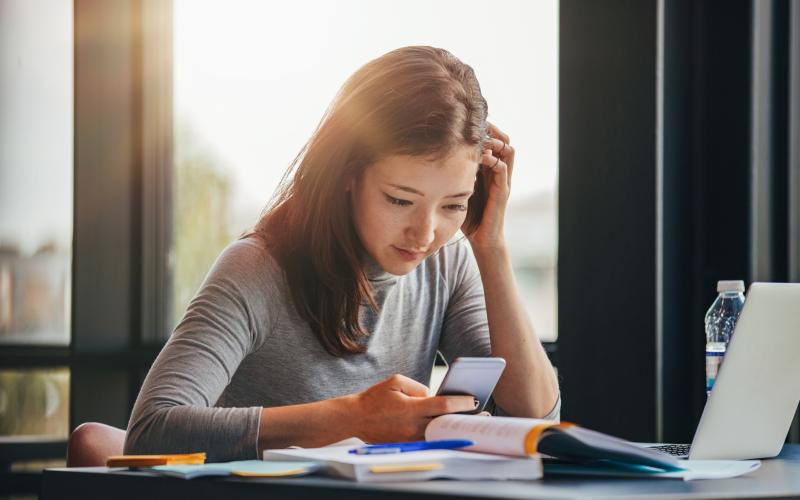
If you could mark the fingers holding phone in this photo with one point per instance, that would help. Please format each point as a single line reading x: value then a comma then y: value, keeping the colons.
x: 476, y: 377
x: 399, y: 409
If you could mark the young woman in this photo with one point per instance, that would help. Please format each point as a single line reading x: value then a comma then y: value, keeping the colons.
x: 324, y: 322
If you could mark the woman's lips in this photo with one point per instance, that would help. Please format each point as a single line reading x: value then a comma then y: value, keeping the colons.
x: 407, y: 254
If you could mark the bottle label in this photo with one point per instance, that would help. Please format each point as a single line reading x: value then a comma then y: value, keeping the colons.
x: 713, y: 362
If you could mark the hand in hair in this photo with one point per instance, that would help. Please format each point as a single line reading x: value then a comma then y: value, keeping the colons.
x: 497, y: 164
x: 399, y: 409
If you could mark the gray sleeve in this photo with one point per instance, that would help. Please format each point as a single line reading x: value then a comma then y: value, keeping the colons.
x: 174, y: 411
x: 465, y: 329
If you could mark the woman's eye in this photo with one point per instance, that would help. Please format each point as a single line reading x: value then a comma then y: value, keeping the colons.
x: 457, y: 207
x: 397, y: 201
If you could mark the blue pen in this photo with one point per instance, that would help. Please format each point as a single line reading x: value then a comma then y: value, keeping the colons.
x: 443, y: 444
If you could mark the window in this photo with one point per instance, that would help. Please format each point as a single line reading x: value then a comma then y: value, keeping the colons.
x: 34, y: 402
x: 251, y: 86
x: 36, y: 147
x: 35, y: 172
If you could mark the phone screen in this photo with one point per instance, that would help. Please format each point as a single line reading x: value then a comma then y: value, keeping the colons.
x: 476, y: 377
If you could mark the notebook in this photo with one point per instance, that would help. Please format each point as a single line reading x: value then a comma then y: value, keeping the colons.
x: 241, y: 468
x: 151, y: 460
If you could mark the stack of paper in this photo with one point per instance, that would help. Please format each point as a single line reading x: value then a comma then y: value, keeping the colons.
x: 418, y: 465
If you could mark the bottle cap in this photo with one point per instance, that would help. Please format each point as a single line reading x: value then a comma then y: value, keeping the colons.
x: 730, y: 286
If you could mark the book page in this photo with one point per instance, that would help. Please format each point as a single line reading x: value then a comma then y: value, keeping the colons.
x: 505, y: 436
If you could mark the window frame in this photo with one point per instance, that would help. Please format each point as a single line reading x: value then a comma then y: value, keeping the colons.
x: 121, y: 162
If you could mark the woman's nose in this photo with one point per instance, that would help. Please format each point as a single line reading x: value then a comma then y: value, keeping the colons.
x: 422, y: 232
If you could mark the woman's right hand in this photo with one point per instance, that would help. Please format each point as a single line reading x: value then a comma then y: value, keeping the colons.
x: 399, y: 408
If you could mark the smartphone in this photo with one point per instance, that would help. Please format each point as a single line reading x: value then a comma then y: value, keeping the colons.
x: 474, y: 377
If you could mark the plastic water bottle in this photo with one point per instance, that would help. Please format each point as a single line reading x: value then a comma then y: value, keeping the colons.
x: 720, y: 321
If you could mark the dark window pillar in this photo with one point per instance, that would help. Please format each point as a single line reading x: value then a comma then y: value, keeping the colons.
x: 607, y: 213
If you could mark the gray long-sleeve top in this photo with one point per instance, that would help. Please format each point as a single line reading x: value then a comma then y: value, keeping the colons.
x: 241, y: 346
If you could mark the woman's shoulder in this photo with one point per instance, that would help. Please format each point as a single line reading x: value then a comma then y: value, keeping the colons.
x: 251, y: 249
x: 248, y: 260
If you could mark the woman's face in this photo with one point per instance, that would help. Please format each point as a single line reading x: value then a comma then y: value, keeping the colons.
x: 407, y: 207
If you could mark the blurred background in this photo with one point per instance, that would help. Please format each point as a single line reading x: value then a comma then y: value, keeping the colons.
x: 657, y: 152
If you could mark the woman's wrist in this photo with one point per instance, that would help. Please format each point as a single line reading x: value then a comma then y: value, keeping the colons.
x: 347, y: 415
x: 491, y: 255
x: 309, y: 425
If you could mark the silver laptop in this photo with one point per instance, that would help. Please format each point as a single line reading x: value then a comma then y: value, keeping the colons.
x: 757, y: 389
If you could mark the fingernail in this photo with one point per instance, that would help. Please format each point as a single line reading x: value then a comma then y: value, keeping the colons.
x: 477, y: 403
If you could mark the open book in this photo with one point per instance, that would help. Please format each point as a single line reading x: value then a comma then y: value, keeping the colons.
x: 571, y: 449
x: 529, y: 436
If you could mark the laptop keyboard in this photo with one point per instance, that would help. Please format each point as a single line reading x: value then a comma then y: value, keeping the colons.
x: 678, y: 450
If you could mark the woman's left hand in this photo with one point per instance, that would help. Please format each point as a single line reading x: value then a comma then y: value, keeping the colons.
x: 497, y: 163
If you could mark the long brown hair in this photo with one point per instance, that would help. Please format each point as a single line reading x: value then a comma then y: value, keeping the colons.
x: 418, y: 101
